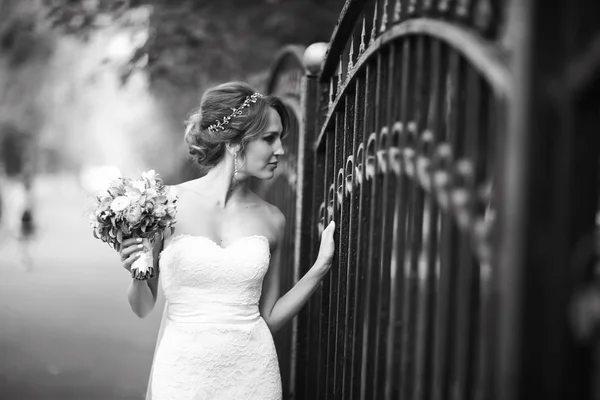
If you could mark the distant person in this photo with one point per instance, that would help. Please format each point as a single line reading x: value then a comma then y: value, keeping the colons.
x: 220, y: 269
x: 16, y: 180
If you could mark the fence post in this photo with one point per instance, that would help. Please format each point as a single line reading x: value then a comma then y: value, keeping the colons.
x: 547, y: 204
x: 313, y: 57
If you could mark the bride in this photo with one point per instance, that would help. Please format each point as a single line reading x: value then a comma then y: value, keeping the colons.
x: 220, y: 268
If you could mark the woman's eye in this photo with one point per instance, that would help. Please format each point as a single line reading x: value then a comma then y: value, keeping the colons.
x: 269, y: 139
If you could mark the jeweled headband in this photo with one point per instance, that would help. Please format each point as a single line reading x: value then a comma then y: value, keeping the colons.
x: 220, y: 125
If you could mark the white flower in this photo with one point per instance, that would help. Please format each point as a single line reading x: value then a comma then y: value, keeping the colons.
x: 160, y: 211
x: 149, y: 175
x: 93, y: 219
x: 133, y: 194
x: 120, y: 203
x: 134, y: 214
x: 139, y: 185
x: 151, y: 193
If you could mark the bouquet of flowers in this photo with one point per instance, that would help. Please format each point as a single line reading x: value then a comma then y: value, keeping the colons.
x: 139, y: 208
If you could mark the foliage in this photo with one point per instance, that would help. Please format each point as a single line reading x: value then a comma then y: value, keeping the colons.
x: 181, y: 47
x: 194, y: 44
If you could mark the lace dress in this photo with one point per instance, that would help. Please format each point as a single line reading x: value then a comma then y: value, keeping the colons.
x: 215, y: 344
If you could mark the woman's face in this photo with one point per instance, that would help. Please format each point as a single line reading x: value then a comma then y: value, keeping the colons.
x: 262, y: 154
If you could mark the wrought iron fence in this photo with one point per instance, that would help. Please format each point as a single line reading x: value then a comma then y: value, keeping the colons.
x: 414, y: 140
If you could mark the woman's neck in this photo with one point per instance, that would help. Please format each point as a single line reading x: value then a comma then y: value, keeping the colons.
x: 221, y: 185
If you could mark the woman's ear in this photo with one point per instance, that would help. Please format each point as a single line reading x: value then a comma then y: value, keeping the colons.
x: 233, y: 149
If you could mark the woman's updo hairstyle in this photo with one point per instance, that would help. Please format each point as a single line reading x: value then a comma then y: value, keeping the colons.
x: 207, y: 147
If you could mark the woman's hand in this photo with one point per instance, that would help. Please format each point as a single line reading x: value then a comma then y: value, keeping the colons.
x: 130, y: 251
x: 327, y: 248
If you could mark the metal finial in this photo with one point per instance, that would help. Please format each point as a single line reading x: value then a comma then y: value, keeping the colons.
x: 397, y: 10
x: 426, y: 5
x: 384, y: 17
x: 412, y: 6
x: 462, y: 8
x: 340, y: 75
x: 483, y: 14
x: 373, y: 27
x: 351, y: 55
x: 444, y: 5
x: 361, y: 48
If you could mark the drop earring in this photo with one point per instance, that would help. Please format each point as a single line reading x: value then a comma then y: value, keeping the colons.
x: 235, y: 165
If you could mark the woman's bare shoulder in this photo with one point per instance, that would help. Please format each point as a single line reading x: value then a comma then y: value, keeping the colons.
x: 271, y: 213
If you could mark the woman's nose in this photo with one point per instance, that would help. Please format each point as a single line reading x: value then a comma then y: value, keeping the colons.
x: 279, y: 148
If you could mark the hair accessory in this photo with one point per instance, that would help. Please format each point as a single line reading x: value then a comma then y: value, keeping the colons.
x: 220, y: 125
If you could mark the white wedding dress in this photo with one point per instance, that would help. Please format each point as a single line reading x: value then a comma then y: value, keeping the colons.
x: 214, y: 343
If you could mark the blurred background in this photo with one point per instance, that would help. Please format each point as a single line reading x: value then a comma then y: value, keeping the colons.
x: 89, y: 90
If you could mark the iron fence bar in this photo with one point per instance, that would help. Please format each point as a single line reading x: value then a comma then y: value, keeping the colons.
x: 442, y: 289
x: 352, y: 190
x: 430, y: 294
x: 386, y: 210
x: 316, y: 327
x: 329, y: 283
x: 346, y: 245
x: 339, y: 274
x: 396, y: 325
x: 362, y: 226
x: 371, y: 76
x: 483, y: 380
x: 454, y: 97
x: 466, y: 288
x: 470, y: 290
x: 420, y: 104
x: 405, y: 113
x: 373, y: 173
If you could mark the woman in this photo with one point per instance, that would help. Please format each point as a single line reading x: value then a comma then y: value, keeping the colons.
x: 220, y: 268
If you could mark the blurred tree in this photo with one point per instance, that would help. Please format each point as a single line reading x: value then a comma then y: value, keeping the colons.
x: 181, y: 46
x: 193, y: 44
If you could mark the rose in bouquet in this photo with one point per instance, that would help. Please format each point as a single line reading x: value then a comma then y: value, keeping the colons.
x: 139, y: 208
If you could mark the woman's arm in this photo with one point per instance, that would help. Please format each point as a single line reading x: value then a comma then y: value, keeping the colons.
x: 275, y: 310
x: 142, y: 295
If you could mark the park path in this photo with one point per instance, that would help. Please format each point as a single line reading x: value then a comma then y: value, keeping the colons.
x: 66, y: 330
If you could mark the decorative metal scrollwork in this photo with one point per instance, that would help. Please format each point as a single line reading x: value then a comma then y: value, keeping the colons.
x: 360, y: 161
x: 408, y: 140
x: 321, y: 217
x: 382, y: 151
x: 394, y: 151
x: 340, y: 186
x: 330, y: 203
x: 349, y: 174
x: 461, y: 198
x: 423, y: 161
x: 370, y: 157
x: 483, y: 224
x: 441, y: 164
